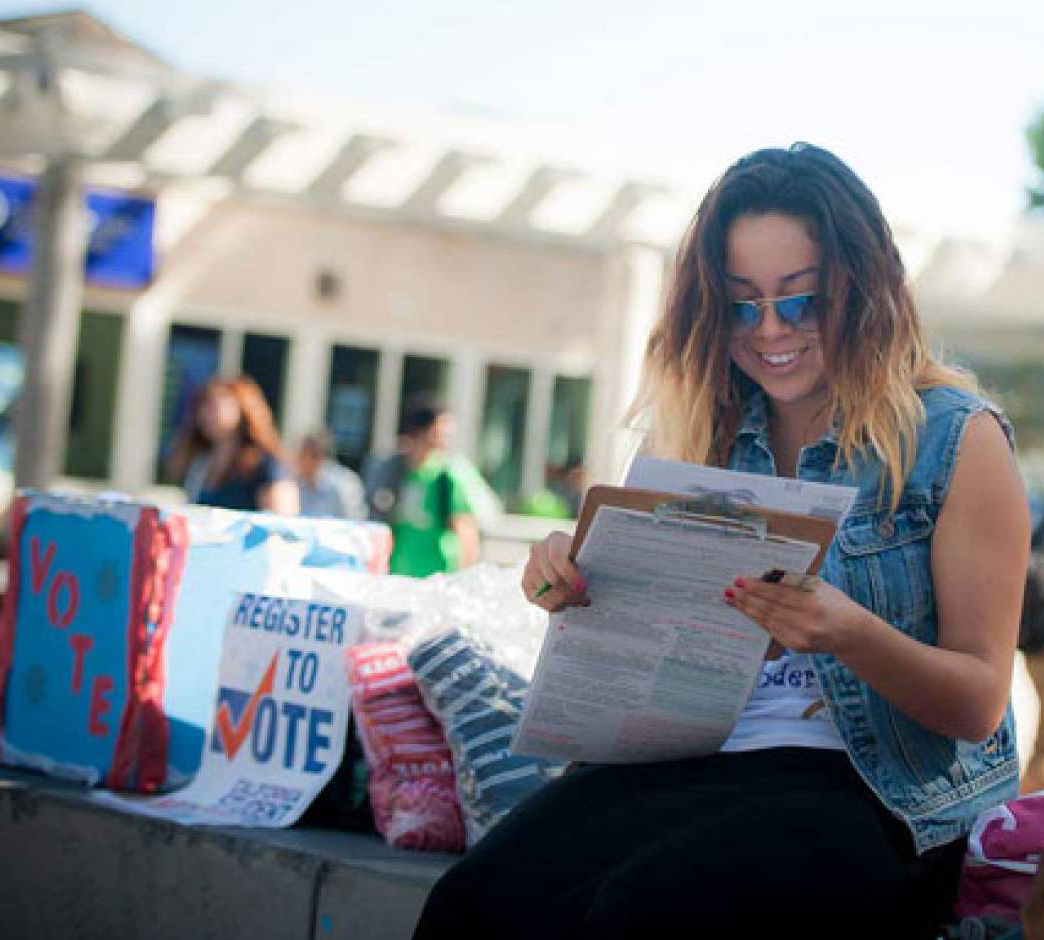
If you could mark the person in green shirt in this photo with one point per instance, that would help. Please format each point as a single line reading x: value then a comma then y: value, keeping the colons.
x: 421, y: 493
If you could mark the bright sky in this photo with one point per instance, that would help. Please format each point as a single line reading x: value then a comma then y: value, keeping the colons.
x: 927, y: 99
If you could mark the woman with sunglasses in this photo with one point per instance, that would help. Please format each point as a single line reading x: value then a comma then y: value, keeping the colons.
x: 840, y: 804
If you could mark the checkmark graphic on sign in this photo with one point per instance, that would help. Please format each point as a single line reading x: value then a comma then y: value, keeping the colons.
x: 233, y: 733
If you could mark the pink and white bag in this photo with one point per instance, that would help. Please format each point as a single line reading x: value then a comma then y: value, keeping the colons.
x: 412, y: 784
x: 1004, y: 852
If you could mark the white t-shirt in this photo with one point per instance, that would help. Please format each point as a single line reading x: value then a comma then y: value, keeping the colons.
x: 786, y: 709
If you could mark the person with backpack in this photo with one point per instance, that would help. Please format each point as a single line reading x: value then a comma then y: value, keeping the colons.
x: 421, y: 494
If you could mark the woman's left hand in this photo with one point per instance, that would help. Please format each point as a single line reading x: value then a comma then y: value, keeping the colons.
x: 820, y: 620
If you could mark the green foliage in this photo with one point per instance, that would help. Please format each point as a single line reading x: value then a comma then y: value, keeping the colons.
x: 1035, y: 139
x: 1018, y: 386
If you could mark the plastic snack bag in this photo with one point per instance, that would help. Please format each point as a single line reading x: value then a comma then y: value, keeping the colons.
x: 412, y: 788
x: 479, y: 702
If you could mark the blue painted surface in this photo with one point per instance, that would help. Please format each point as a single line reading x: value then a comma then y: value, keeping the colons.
x: 44, y: 715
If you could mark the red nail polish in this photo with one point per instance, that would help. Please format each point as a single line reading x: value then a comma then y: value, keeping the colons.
x: 740, y: 582
x: 729, y: 595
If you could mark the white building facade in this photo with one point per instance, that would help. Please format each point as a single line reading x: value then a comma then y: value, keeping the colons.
x: 345, y: 264
x: 347, y: 259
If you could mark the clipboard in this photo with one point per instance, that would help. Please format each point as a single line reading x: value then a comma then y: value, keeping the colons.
x: 724, y: 514
x: 667, y: 619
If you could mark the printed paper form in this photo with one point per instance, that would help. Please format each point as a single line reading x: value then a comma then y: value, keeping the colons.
x: 659, y: 666
x: 824, y: 500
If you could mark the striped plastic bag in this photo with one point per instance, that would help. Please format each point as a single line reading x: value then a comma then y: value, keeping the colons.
x: 479, y: 704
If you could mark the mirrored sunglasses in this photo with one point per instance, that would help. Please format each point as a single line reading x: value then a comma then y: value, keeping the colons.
x: 795, y: 310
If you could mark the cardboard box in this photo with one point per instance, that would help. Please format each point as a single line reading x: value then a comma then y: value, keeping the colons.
x: 110, y: 635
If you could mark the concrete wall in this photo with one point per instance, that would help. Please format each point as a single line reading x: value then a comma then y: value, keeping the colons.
x: 510, y: 297
x: 73, y: 869
x: 473, y: 297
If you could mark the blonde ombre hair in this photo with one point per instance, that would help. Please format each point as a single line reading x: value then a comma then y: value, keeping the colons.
x: 691, y: 395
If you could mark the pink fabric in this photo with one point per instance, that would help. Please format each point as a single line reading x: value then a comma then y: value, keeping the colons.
x: 412, y: 785
x: 1004, y: 851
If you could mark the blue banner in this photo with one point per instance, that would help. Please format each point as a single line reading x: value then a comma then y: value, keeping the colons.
x: 16, y: 223
x: 119, y: 245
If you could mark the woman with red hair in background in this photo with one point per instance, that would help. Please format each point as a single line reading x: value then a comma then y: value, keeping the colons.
x: 229, y: 453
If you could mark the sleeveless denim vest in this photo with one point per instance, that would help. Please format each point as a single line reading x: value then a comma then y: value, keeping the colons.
x: 882, y: 560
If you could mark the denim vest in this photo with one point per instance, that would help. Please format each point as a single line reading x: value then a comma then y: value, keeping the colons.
x: 882, y: 560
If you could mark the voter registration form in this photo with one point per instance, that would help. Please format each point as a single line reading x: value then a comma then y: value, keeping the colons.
x: 659, y: 666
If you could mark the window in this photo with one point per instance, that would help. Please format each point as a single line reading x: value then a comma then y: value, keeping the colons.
x: 11, y: 374
x: 89, y: 444
x: 88, y: 449
x: 350, y: 402
x: 422, y: 376
x: 9, y: 311
x: 193, y: 357
x: 502, y: 438
x: 567, y: 439
x: 264, y: 360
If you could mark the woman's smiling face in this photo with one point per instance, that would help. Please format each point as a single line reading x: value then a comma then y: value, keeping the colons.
x: 774, y: 255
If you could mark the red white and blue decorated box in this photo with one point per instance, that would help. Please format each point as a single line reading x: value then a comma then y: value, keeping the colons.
x: 111, y: 629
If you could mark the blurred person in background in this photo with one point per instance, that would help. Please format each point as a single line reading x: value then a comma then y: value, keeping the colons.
x: 327, y: 488
x: 559, y: 497
x: 229, y: 453
x: 572, y: 484
x: 1031, y: 643
x: 422, y: 493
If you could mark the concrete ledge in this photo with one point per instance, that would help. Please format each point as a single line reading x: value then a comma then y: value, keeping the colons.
x: 72, y: 868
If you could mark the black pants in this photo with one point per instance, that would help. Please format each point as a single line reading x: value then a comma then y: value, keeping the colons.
x: 782, y: 842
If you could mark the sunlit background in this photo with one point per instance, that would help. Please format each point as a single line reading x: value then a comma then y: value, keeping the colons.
x: 354, y: 202
x: 928, y: 99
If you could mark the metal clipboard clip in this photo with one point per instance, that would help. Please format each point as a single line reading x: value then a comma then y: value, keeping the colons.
x: 723, y: 515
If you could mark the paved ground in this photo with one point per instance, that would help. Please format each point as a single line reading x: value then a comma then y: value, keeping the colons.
x: 74, y: 869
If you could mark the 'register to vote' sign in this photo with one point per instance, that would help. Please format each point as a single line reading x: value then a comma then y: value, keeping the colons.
x: 280, y: 719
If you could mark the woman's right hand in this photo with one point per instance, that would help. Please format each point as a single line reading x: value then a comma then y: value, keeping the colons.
x: 549, y: 564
